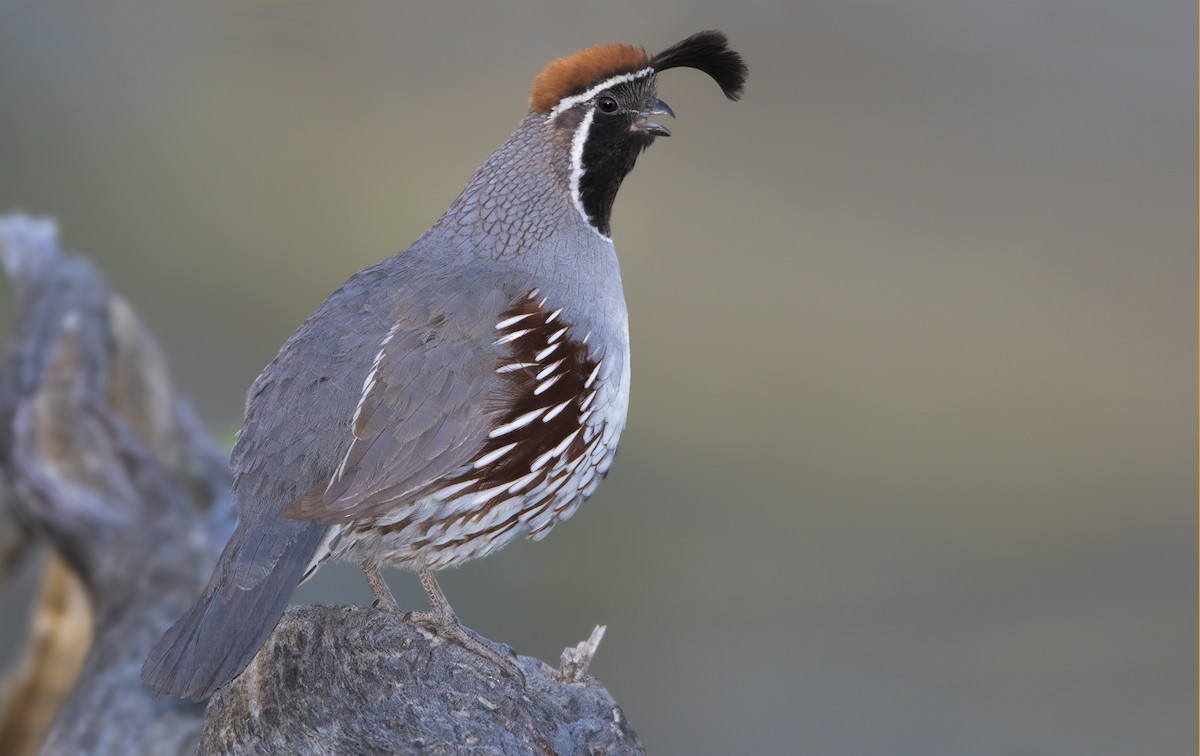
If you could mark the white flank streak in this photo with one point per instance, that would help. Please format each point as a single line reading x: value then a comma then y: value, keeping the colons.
x: 575, y: 463
x: 533, y: 293
x: 492, y: 456
x: 520, y: 422
x: 553, y: 316
x: 368, y: 384
x: 449, y: 491
x: 557, y: 335
x: 555, y: 410
x: 512, y: 336
x: 546, y: 384
x: 482, y: 497
x: 510, y: 321
x: 587, y: 401
x: 545, y: 353
x: 341, y: 469
x: 585, y: 338
x: 323, y: 551
x: 369, y: 381
x: 521, y: 482
x: 562, y: 445
x: 513, y: 367
x: 541, y: 461
x: 549, y: 369
x: 551, y: 487
x: 592, y: 378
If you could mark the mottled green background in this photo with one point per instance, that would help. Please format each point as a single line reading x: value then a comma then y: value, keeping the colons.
x: 911, y: 462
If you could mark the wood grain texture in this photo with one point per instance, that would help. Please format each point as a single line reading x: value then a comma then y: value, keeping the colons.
x: 375, y: 683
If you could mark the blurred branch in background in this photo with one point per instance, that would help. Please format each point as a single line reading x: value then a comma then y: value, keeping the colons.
x: 48, y: 664
x: 107, y: 464
x: 105, y: 461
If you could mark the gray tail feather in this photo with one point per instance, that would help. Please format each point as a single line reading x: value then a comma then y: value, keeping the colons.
x: 216, y: 639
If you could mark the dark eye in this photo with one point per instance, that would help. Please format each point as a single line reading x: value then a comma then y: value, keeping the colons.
x: 607, y: 104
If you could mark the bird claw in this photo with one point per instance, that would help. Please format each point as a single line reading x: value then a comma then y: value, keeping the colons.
x: 449, y: 626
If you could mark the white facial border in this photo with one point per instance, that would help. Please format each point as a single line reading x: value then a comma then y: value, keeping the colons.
x: 582, y: 131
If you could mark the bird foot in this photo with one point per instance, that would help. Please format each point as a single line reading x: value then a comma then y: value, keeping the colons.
x: 383, y: 595
x: 449, y: 626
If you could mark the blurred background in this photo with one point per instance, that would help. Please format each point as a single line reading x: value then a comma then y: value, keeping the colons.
x: 911, y: 459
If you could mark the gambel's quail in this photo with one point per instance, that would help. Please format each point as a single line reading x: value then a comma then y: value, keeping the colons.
x: 464, y: 392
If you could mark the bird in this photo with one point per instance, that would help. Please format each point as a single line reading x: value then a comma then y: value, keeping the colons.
x: 464, y: 392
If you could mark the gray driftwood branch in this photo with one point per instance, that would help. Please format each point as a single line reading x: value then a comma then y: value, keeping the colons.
x: 374, y: 683
x: 103, y: 459
x: 107, y: 464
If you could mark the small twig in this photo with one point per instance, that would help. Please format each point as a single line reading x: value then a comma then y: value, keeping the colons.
x: 341, y: 679
x: 575, y: 660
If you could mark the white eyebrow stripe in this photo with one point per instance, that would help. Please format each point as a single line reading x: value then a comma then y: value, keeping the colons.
x: 573, y: 100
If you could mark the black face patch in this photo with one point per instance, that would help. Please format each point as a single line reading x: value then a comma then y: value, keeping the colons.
x: 612, y: 146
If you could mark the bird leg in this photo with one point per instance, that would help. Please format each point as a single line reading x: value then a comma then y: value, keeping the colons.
x: 444, y: 620
x: 383, y: 595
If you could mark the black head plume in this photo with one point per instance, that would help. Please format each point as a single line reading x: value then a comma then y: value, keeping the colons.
x: 707, y: 51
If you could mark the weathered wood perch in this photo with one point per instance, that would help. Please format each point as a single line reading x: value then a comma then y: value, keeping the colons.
x: 374, y: 683
x: 103, y: 459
